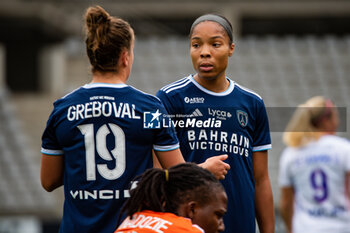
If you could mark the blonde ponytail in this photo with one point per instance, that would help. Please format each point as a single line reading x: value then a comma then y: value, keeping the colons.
x: 301, y: 128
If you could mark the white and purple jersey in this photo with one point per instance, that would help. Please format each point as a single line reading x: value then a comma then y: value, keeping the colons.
x: 317, y: 174
x: 106, y: 133
x: 232, y: 122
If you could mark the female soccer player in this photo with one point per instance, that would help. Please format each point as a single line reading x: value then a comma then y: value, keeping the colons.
x: 315, y: 171
x: 100, y: 136
x: 218, y: 116
x: 172, y: 201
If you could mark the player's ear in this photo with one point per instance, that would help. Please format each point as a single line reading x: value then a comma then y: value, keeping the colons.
x: 125, y: 57
x: 232, y: 49
x: 190, y: 209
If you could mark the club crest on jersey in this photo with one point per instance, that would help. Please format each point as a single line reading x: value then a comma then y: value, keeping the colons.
x: 151, y: 120
x: 242, y: 118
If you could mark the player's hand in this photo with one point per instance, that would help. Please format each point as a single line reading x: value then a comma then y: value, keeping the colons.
x: 217, y: 166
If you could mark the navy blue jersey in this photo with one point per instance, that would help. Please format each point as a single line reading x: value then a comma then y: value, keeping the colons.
x: 106, y: 133
x: 233, y: 122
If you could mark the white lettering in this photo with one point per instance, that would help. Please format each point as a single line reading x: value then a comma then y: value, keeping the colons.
x: 126, y: 111
x: 80, y: 109
x: 117, y: 110
x: 75, y: 194
x: 87, y: 110
x: 106, y: 194
x: 98, y: 194
x: 126, y: 193
x: 134, y: 113
x: 234, y: 139
x: 218, y: 141
x: 106, y: 112
x: 191, y: 135
x: 181, y: 124
x: 92, y: 195
x: 98, y: 109
x: 246, y: 142
x: 217, y: 146
x: 202, y: 135
x: 71, y: 113
x: 223, y: 136
x: 213, y: 135
x: 141, y: 221
x: 190, y: 122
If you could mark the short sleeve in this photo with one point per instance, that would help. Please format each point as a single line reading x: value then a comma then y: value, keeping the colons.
x: 49, y: 143
x: 261, y: 135
x: 166, y: 139
x: 285, y: 178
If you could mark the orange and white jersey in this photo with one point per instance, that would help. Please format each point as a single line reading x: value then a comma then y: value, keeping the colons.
x: 149, y: 222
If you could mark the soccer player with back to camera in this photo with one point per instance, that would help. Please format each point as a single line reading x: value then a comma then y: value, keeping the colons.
x: 95, y: 142
x: 184, y: 198
x: 218, y: 116
x: 100, y: 136
x: 315, y: 171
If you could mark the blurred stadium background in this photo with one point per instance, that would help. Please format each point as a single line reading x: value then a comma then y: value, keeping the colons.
x: 287, y: 51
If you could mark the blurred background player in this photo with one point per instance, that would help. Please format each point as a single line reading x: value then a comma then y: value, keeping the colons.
x: 184, y: 198
x: 315, y: 171
x: 222, y: 117
x: 95, y: 141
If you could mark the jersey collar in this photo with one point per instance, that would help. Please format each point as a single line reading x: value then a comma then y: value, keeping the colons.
x: 224, y: 93
x: 93, y: 85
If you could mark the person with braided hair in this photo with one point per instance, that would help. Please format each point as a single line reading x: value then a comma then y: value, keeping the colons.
x: 184, y: 198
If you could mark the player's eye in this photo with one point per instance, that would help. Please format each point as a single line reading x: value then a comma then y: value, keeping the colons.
x: 220, y: 214
x: 216, y: 44
x: 195, y: 45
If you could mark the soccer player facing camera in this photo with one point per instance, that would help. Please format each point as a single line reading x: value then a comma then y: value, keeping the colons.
x: 222, y: 117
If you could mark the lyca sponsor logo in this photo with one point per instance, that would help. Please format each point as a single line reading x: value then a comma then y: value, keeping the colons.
x: 220, y: 114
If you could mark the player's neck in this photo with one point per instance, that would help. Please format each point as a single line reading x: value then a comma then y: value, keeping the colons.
x: 321, y: 134
x: 109, y: 77
x: 217, y: 84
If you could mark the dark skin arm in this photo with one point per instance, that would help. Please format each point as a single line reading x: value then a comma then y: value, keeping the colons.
x: 51, y: 173
x: 263, y: 193
x: 215, y: 165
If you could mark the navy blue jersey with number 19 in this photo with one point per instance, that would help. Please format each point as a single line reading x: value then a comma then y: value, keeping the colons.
x: 106, y: 133
x: 232, y: 122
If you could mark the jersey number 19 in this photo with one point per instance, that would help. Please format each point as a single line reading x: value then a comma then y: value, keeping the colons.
x: 101, y: 147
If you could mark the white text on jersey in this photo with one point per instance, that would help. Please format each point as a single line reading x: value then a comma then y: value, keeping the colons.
x: 101, y: 108
x: 141, y: 221
x: 218, y: 141
x: 98, y: 194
